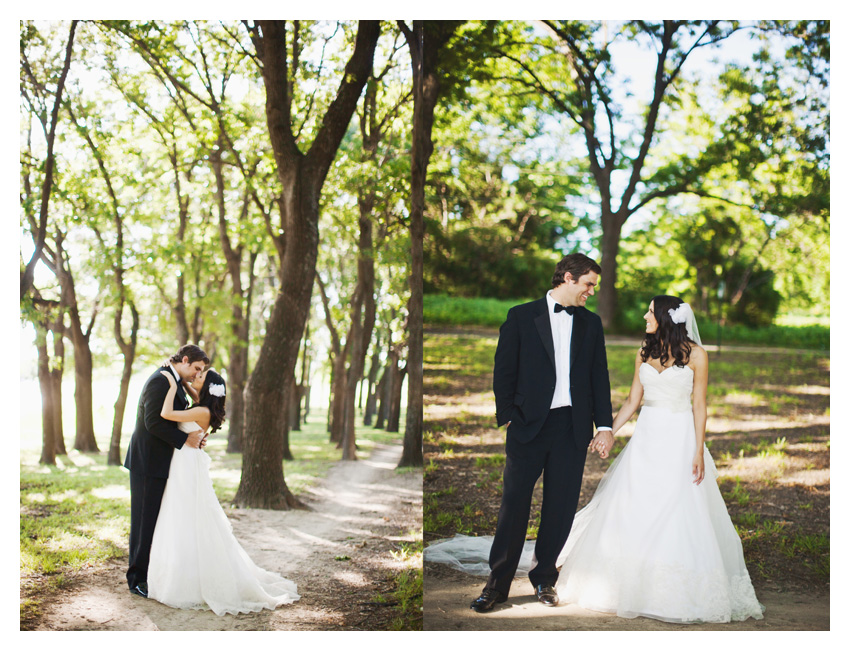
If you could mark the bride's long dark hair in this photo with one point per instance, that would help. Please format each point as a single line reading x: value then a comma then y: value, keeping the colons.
x: 669, y: 338
x: 214, y: 403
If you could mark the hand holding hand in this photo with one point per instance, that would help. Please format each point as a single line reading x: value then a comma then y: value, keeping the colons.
x: 602, y: 443
x: 698, y: 468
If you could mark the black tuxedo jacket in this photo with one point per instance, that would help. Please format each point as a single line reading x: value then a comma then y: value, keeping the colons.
x: 524, y: 373
x: 155, y: 438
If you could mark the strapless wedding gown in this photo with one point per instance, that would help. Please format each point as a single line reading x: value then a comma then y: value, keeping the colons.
x: 650, y: 543
x: 196, y: 561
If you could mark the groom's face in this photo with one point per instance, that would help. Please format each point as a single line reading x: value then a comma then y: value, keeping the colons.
x: 578, y: 291
x: 189, y: 371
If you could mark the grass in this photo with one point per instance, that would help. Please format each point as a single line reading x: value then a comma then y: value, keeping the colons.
x: 408, y: 590
x: 442, y: 310
x: 453, y: 310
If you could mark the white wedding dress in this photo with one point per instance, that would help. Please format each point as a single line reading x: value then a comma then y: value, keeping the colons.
x: 650, y: 543
x: 196, y: 561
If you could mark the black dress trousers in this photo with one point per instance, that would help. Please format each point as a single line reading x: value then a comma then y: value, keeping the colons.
x: 554, y: 453
x: 145, y: 499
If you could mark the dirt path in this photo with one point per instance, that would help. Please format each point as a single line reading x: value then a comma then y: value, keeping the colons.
x: 448, y: 594
x: 338, y: 553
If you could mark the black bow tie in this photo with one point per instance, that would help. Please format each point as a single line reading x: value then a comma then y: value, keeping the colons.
x: 569, y: 309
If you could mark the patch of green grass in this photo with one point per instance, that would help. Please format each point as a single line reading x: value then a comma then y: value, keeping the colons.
x: 430, y: 467
x: 72, y: 518
x: 443, y: 361
x: 497, y: 459
x: 738, y: 494
x: 440, y: 309
x: 408, y: 587
x: 749, y: 520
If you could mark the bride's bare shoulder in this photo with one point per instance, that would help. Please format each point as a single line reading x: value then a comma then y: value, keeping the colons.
x: 698, y: 355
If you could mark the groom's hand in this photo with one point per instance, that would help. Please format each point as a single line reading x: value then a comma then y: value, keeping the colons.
x: 195, y: 439
x: 602, y: 443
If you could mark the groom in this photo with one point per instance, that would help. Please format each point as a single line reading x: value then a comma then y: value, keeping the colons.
x: 149, y: 456
x: 550, y: 380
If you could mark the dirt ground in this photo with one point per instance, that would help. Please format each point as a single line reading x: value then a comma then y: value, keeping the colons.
x: 776, y: 496
x: 448, y: 594
x: 338, y: 553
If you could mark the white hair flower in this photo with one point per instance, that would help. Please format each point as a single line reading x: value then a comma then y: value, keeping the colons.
x: 680, y: 314
x: 217, y: 390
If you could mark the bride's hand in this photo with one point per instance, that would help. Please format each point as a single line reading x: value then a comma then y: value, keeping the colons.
x: 602, y: 443
x: 698, y: 468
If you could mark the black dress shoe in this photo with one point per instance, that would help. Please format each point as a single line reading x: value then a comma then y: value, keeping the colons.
x: 487, y: 600
x: 141, y: 590
x: 546, y: 595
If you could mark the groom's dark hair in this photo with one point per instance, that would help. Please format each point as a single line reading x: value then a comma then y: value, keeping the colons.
x: 193, y: 352
x: 576, y: 264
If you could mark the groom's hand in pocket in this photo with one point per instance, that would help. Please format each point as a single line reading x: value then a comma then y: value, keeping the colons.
x: 195, y: 439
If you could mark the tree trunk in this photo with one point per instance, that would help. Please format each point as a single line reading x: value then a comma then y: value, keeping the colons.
x: 237, y: 375
x: 607, y: 301
x: 336, y: 408
x: 302, y: 175
x: 362, y: 322
x: 56, y: 373
x: 302, y: 388
x: 382, y: 390
x: 371, y: 387
x: 84, y: 441
x: 286, y: 419
x: 129, y: 352
x: 394, y: 417
x: 48, y: 413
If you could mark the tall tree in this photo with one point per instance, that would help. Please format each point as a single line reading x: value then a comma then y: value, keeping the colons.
x: 425, y: 40
x: 302, y: 176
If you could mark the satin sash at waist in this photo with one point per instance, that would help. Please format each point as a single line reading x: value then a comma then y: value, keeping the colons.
x: 672, y: 405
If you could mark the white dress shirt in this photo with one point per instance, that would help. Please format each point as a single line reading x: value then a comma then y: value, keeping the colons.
x: 562, y: 336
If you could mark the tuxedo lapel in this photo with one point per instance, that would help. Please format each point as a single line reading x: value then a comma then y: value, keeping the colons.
x: 181, y: 396
x: 579, y: 330
x: 181, y: 399
x: 544, y: 329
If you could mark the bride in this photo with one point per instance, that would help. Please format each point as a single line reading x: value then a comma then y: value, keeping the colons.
x: 195, y: 561
x: 656, y: 539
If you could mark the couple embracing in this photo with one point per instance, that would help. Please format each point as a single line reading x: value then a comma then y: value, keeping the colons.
x: 182, y: 549
x: 656, y: 539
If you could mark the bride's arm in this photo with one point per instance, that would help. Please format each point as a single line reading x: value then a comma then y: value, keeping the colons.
x: 191, y: 391
x: 699, y: 364
x: 633, y: 401
x: 598, y: 444
x: 179, y: 415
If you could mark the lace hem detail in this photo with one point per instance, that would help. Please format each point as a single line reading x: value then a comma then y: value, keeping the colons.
x: 669, y: 593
